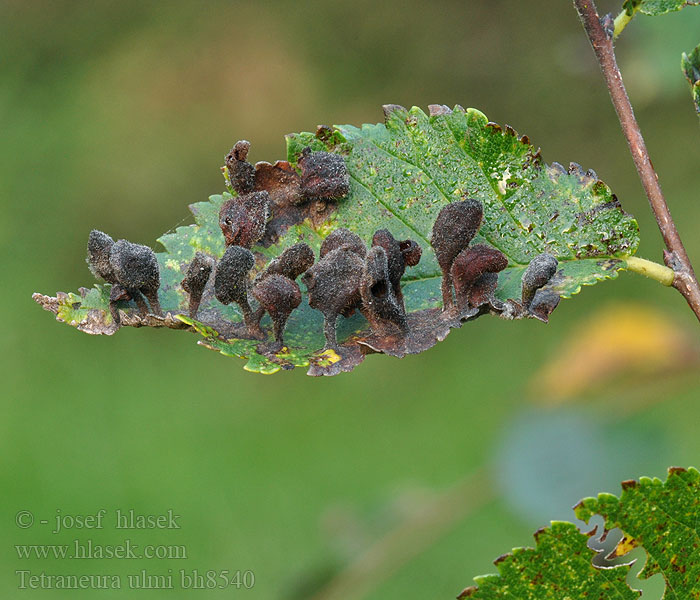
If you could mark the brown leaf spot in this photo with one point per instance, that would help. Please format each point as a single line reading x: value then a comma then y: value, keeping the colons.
x: 425, y: 328
x: 283, y: 184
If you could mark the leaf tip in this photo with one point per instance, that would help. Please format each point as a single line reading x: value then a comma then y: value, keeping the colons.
x: 435, y: 110
x: 390, y: 109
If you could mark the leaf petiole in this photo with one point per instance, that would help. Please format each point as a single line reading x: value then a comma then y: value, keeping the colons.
x: 648, y: 268
x: 621, y: 21
x: 629, y: 9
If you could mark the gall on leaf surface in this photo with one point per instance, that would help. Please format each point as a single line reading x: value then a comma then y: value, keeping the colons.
x: 401, y: 174
x: 662, y: 517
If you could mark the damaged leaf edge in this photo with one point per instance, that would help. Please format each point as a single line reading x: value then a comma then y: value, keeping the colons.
x: 626, y: 544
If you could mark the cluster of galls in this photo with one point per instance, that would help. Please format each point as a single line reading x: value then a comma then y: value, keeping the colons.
x: 470, y: 273
x: 537, y: 302
x: 275, y: 289
x: 243, y: 220
x: 347, y: 277
x: 132, y: 269
x: 324, y: 175
x: 350, y: 277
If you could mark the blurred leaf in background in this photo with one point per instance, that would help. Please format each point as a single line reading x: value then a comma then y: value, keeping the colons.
x: 628, y: 344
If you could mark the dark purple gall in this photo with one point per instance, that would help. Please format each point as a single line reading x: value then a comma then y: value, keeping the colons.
x: 135, y: 268
x: 399, y: 255
x: 379, y: 302
x: 196, y: 279
x: 543, y: 304
x: 99, y: 247
x: 324, y: 176
x: 232, y: 279
x: 394, y: 257
x: 279, y: 296
x: 473, y: 272
x: 241, y: 172
x: 455, y: 226
x: 538, y: 273
x: 243, y: 219
x: 294, y: 261
x: 343, y: 238
x: 411, y: 251
x: 333, y: 285
x: 116, y: 294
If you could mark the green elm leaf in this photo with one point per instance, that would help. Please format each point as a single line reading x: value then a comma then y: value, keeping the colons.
x: 655, y: 8
x: 662, y: 517
x: 690, y: 63
x: 402, y: 173
x: 560, y: 566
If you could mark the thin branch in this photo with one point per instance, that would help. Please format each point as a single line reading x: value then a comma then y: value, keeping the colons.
x: 676, y: 256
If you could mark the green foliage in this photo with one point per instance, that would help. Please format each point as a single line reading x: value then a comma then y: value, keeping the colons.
x: 402, y: 173
x: 656, y: 7
x: 690, y: 63
x: 663, y: 517
x: 559, y: 567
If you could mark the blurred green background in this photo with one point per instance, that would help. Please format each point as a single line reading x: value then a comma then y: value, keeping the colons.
x: 405, y: 478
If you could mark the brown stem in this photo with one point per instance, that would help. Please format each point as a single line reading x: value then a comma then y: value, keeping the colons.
x: 675, y: 257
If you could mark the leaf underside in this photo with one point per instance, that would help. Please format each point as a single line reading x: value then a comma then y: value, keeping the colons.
x: 690, y: 64
x: 662, y: 517
x: 401, y: 174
